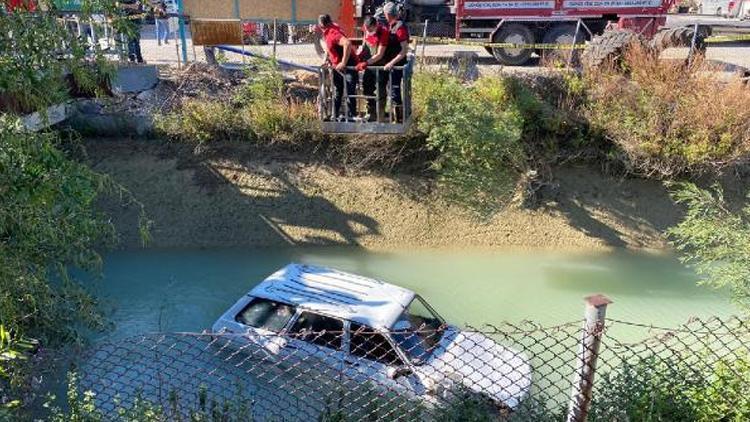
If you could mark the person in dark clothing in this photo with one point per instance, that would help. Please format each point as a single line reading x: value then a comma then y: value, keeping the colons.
x: 395, y: 55
x: 340, y: 56
x: 134, y: 11
x: 372, y: 53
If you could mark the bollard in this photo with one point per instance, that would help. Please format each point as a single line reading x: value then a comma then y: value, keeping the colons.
x: 591, y: 336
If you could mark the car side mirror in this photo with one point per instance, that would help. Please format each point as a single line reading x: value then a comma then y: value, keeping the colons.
x: 399, y: 371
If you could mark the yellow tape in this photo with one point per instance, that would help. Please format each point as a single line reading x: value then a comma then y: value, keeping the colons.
x: 448, y: 41
x: 727, y: 38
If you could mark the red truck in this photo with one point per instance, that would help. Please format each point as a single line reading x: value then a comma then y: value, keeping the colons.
x: 529, y: 21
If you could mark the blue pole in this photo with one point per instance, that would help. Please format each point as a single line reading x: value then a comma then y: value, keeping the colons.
x: 183, y: 38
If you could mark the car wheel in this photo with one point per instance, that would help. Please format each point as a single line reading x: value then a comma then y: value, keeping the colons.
x: 514, y: 33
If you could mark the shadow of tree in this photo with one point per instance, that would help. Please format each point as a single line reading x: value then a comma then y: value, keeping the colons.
x: 620, y: 212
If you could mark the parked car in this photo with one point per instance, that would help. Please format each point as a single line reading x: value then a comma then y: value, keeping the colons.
x: 373, y: 332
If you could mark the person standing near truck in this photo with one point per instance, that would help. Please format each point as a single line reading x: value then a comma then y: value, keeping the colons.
x: 340, y: 55
x: 133, y: 9
x: 161, y: 19
x: 372, y: 53
x: 395, y: 54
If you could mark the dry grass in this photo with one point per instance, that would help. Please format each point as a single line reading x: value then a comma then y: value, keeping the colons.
x: 669, y: 119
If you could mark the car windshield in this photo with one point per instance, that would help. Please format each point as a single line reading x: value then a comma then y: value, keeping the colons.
x: 418, y: 330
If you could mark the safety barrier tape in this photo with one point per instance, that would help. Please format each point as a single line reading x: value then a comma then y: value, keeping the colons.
x: 727, y: 38
x: 542, y: 46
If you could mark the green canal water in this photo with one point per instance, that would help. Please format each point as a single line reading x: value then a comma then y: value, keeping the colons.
x: 187, y: 289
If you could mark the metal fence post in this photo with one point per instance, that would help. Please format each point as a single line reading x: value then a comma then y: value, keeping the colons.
x: 583, y: 379
x: 274, y: 38
x: 424, y: 38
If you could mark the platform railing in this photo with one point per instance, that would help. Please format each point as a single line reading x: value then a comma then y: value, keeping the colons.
x: 352, y: 115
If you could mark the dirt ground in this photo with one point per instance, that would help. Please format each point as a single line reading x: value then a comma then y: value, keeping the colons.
x: 251, y: 198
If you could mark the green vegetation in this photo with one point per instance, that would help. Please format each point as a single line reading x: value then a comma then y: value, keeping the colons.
x: 37, y: 52
x: 477, y: 134
x: 262, y: 111
x: 48, y: 219
x: 667, y: 120
x: 82, y: 407
x: 652, y: 389
x: 715, y: 239
x: 48, y: 222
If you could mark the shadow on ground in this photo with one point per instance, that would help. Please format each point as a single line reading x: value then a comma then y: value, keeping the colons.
x: 616, y: 211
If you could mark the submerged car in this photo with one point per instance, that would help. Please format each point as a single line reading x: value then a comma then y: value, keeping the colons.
x: 374, y: 332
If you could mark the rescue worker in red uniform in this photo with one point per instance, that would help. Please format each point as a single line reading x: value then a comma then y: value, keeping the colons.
x: 395, y: 54
x: 341, y: 54
x: 372, y: 53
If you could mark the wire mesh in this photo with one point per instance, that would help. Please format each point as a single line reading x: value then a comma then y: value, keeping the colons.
x: 518, y: 371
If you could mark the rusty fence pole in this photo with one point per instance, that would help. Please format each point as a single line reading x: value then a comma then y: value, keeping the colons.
x: 591, y: 336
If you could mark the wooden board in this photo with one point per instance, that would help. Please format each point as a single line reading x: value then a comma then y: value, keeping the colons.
x: 216, y: 32
x: 263, y: 10
x: 210, y: 9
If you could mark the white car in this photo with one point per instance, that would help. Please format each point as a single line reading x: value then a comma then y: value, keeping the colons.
x: 374, y: 332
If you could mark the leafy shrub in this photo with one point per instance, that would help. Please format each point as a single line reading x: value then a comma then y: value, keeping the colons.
x: 477, y: 134
x: 667, y: 118
x: 47, y: 222
x: 652, y: 389
x: 714, y: 239
x: 32, y: 68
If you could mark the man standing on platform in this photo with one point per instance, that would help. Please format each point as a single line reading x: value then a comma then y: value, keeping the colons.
x: 340, y: 55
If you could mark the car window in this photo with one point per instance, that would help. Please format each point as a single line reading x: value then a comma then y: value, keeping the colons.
x: 366, y: 343
x: 265, y: 314
x: 319, y: 329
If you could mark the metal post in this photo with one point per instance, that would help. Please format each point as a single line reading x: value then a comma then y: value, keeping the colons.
x: 424, y: 38
x: 274, y: 38
x: 583, y: 381
x: 694, y: 40
x: 572, y: 47
x: 378, y: 97
x: 183, y: 37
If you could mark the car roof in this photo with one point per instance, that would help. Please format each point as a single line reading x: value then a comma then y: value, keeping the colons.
x: 360, y: 299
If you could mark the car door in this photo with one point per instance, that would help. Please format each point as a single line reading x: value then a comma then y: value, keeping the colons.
x: 314, y: 344
x: 372, y: 359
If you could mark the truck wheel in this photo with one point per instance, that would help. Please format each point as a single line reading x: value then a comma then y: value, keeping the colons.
x: 679, y: 37
x: 515, y: 33
x: 608, y: 47
x: 563, y: 35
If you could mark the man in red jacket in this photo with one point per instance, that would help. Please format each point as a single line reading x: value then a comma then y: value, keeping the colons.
x: 340, y: 56
x: 372, y: 53
x: 395, y: 55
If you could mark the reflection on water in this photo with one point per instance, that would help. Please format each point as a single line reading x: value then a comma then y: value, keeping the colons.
x: 186, y: 290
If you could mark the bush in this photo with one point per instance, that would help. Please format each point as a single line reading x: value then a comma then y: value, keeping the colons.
x: 667, y: 118
x: 477, y: 134
x: 48, y: 221
x: 33, y: 70
x: 652, y: 389
x: 261, y: 111
x: 714, y: 239
x: 203, y: 121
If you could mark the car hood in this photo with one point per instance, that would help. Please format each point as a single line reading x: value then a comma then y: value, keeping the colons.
x: 479, y: 364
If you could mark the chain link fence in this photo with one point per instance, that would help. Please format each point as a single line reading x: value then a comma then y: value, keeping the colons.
x: 514, y: 372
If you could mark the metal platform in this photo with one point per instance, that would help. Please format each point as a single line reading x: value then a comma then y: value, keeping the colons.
x: 366, y: 127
